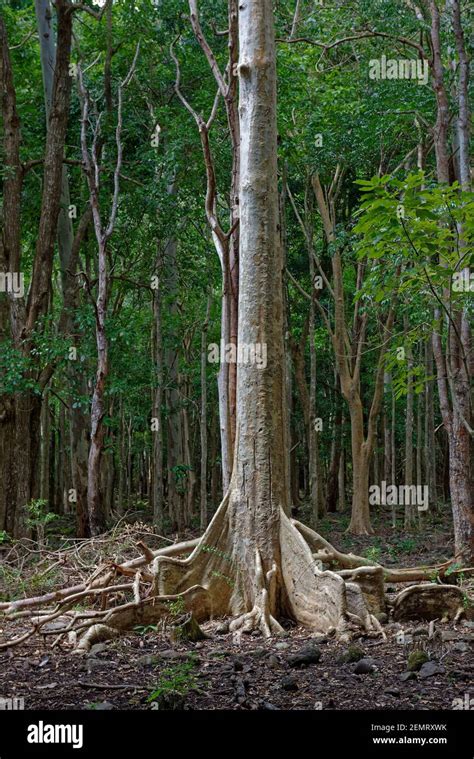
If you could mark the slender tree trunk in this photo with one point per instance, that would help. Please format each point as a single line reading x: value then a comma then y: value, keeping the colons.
x: 314, y: 475
x: 60, y: 461
x: 190, y: 475
x: 341, y: 503
x: 454, y: 368
x: 387, y: 459
x: 429, y: 448
x: 216, y: 476
x: 175, y: 455
x: 122, y: 459
x: 336, y: 450
x: 45, y: 449
x: 419, y: 441
x: 203, y: 419
x: 409, y: 508
x: 97, y: 518
x: 157, y: 466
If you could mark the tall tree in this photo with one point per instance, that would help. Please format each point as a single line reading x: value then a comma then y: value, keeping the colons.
x: 252, y: 561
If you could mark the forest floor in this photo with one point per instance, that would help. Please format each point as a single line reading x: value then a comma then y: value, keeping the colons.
x: 143, y: 670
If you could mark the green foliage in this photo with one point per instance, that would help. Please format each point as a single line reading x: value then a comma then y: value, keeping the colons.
x: 408, y: 545
x: 180, y: 678
x: 145, y: 629
x: 176, y: 608
x: 373, y: 553
x: 414, y: 222
x: 367, y: 128
x: 221, y: 576
x: 216, y: 551
x: 16, y: 584
x: 39, y: 517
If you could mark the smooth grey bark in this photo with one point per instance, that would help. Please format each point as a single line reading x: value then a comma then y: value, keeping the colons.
x: 190, y: 474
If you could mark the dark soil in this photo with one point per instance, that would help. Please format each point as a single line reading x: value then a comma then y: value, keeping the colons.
x: 253, y: 675
x: 219, y: 674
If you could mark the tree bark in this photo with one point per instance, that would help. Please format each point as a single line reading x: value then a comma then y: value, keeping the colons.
x: 454, y: 365
x: 409, y: 508
x: 157, y: 465
x: 203, y: 419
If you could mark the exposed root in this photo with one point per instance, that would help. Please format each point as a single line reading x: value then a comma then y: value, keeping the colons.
x: 371, y: 582
x: 430, y: 601
x: 95, y: 581
x: 260, y: 617
x: 226, y: 574
x: 326, y: 553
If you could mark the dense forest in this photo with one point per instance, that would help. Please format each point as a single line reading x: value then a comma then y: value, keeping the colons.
x: 236, y: 301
